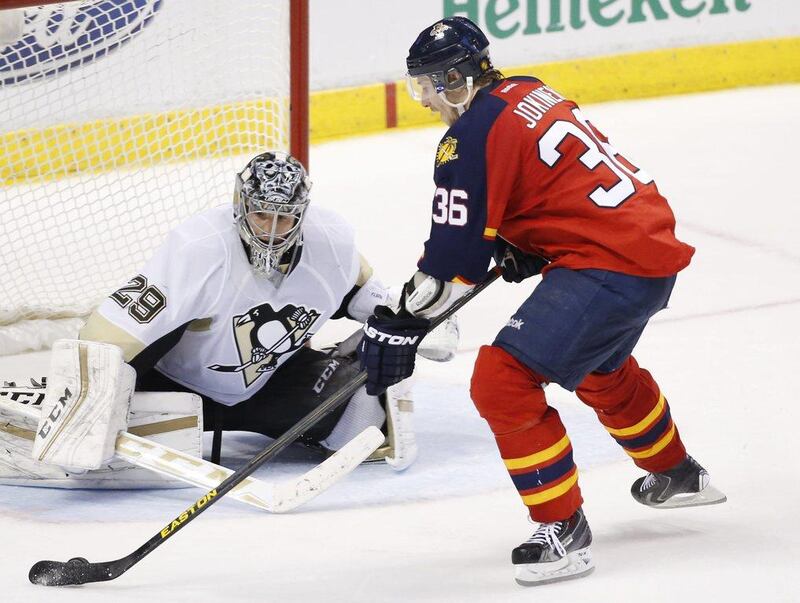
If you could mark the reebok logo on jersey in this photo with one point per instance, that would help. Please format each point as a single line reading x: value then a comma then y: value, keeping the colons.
x: 515, y: 323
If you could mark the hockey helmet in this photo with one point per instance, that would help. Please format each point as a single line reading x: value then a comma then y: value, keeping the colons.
x: 451, y: 53
x: 269, y: 204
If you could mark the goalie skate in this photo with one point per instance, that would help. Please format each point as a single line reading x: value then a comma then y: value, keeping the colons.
x: 687, y: 485
x: 557, y: 551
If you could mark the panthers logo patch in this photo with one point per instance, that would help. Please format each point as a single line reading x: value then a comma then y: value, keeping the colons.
x: 263, y: 335
x: 446, y: 151
x: 437, y: 31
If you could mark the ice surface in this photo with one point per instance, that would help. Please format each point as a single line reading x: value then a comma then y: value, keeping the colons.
x: 724, y: 353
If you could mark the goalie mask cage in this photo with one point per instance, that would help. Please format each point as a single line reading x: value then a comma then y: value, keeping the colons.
x: 120, y: 119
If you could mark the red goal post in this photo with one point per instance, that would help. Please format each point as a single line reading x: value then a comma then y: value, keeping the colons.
x: 120, y: 119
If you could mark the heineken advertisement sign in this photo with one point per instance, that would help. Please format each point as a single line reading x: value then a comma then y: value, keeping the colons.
x: 503, y: 19
x: 530, y: 32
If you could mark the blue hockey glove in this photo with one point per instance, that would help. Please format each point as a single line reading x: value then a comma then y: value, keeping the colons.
x: 517, y: 265
x: 389, y: 346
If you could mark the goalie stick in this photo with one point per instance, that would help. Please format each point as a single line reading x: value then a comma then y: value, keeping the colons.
x: 279, y: 497
x: 80, y: 571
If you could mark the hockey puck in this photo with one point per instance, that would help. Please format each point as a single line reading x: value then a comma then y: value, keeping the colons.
x: 78, y: 561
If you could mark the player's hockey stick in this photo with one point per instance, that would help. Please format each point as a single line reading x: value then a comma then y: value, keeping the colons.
x: 79, y: 571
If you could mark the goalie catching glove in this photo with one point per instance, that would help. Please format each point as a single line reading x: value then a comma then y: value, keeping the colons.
x: 389, y: 346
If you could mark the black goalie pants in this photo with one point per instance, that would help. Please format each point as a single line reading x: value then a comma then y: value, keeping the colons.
x: 299, y: 386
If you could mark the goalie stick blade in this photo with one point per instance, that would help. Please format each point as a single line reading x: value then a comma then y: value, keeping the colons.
x: 71, y: 573
x: 292, y: 493
x: 273, y: 497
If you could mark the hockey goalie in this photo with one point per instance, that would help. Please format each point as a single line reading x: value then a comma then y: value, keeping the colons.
x: 213, y: 335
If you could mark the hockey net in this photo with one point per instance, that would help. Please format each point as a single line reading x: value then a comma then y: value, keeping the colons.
x: 121, y: 118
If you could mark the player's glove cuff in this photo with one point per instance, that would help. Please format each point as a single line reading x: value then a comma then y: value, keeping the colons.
x: 516, y: 264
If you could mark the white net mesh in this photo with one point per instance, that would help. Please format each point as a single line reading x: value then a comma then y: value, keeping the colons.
x: 120, y: 118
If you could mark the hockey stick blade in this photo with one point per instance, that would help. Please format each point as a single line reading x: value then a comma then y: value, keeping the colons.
x: 79, y: 571
x: 73, y: 572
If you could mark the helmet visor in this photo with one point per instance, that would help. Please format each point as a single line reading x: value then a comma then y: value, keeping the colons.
x: 425, y: 85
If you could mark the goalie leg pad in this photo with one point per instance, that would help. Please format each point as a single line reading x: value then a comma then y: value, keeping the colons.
x: 400, y: 449
x: 89, y: 388
x: 166, y: 419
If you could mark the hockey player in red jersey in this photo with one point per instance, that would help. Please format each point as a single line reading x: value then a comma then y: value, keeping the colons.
x: 523, y: 176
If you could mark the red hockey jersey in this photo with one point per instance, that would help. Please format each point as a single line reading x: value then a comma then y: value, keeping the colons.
x: 525, y: 163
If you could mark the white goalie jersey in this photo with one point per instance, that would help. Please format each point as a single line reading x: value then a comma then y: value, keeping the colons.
x: 241, y: 328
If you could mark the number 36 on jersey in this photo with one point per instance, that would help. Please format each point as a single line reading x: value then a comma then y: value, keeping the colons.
x: 450, y: 206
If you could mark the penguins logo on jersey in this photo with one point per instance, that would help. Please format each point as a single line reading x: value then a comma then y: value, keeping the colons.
x: 446, y: 151
x: 264, y: 334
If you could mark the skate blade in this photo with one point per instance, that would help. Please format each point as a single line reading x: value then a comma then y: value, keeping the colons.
x: 575, y: 565
x: 707, y: 496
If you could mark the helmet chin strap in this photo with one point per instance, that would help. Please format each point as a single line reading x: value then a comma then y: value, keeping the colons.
x: 462, y: 106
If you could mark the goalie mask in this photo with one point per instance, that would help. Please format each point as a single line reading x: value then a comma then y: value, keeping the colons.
x: 270, y: 201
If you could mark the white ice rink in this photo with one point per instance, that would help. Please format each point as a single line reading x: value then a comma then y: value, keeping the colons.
x: 725, y: 353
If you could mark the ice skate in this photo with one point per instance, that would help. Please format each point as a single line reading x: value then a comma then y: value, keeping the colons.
x: 556, y: 551
x: 687, y: 485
